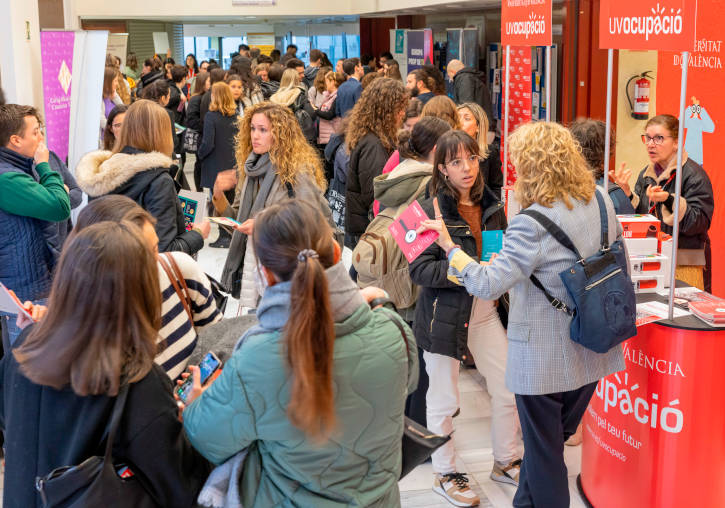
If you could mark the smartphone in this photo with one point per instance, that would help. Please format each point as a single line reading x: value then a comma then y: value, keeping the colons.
x: 208, y: 366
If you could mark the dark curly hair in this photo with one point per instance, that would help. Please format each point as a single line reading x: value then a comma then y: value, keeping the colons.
x: 378, y: 112
x: 590, y: 134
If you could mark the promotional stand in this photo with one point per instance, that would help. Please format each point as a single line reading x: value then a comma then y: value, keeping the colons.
x: 650, y: 428
x: 524, y: 25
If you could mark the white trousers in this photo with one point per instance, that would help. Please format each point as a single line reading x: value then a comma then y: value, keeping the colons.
x: 487, y: 343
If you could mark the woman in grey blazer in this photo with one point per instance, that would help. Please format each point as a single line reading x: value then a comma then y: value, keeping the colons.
x: 552, y: 376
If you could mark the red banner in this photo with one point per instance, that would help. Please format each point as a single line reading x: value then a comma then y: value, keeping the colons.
x: 705, y: 114
x: 519, y: 98
x: 526, y: 22
x: 647, y: 24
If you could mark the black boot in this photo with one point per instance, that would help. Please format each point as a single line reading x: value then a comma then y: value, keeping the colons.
x: 224, y: 240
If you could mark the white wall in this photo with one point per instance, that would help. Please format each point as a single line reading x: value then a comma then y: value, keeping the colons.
x: 20, y: 64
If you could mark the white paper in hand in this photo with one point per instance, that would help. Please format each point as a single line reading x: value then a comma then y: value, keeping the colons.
x: 10, y: 304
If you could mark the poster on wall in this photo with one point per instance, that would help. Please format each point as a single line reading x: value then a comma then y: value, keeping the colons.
x: 705, y: 113
x: 117, y: 44
x: 453, y: 47
x: 420, y: 48
x: 519, y: 98
x: 56, y: 48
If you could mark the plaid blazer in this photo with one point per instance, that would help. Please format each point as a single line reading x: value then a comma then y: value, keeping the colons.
x: 541, y: 356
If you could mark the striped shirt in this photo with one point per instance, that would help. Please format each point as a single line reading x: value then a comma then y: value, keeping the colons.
x: 177, y: 337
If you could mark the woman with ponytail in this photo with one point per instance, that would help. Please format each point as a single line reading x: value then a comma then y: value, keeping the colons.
x: 315, y: 392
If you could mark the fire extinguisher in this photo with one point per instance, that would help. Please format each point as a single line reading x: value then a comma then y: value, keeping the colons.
x: 640, y: 106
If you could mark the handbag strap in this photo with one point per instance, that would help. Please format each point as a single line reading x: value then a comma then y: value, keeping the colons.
x: 563, y: 239
x: 603, y: 219
x: 394, y: 318
x: 115, y: 420
x: 176, y: 278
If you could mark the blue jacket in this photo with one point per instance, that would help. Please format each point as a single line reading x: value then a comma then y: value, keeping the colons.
x: 347, y: 95
x: 26, y: 260
x: 622, y: 205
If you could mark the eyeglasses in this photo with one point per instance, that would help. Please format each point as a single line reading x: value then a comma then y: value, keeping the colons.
x: 459, y: 163
x: 657, y: 140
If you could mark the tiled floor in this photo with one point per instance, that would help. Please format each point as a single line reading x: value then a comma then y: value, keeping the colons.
x: 474, y: 456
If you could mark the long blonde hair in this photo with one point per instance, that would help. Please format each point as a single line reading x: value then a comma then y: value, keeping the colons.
x: 482, y: 121
x: 290, y: 153
x: 146, y: 127
x: 549, y: 165
x: 222, y: 99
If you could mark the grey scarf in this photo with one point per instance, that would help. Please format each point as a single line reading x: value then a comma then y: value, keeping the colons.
x: 260, y: 175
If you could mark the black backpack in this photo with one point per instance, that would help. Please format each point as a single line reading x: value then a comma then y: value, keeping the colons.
x: 307, y: 123
x: 604, y: 312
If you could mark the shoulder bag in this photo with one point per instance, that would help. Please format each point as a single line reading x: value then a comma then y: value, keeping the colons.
x: 604, y: 312
x: 177, y: 281
x: 96, y: 481
x: 419, y: 443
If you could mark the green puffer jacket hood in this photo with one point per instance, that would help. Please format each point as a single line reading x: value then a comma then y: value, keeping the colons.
x: 246, y: 408
x: 395, y: 188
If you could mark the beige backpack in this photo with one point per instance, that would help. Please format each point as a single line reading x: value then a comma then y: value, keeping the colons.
x: 380, y: 262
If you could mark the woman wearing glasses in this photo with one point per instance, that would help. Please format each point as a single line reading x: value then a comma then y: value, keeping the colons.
x: 654, y: 192
x: 447, y: 318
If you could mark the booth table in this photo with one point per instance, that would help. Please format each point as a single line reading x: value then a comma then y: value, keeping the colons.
x: 654, y: 434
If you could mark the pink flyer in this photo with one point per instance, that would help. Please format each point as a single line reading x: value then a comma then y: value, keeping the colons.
x: 403, y: 230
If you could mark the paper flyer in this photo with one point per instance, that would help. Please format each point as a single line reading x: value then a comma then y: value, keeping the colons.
x: 224, y: 221
x: 649, y: 312
x: 193, y: 205
x: 9, y: 302
x: 403, y: 230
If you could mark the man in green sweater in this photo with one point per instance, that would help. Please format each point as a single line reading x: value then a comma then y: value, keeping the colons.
x: 32, y: 198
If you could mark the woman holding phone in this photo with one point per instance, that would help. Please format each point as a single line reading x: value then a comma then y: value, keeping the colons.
x: 314, y: 395
x: 60, y: 383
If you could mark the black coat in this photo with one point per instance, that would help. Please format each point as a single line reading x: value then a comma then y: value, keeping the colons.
x: 204, y: 107
x: 269, y: 88
x: 469, y: 85
x: 444, y: 308
x: 491, y: 169
x: 173, y: 105
x: 47, y: 428
x: 367, y: 161
x: 216, y: 149
x: 193, y: 113
x: 696, y: 191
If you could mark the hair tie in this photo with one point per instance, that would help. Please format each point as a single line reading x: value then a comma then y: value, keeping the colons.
x: 306, y: 254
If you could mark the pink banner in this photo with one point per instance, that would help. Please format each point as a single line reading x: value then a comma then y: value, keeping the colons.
x: 57, y: 58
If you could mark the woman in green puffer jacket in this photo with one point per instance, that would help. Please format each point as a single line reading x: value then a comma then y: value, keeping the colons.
x: 316, y: 391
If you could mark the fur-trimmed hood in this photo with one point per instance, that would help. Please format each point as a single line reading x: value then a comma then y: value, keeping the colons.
x: 102, y: 172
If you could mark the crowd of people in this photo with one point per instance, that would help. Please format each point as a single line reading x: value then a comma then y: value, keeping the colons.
x: 306, y: 160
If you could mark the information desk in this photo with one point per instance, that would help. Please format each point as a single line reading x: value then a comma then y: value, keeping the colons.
x: 654, y: 434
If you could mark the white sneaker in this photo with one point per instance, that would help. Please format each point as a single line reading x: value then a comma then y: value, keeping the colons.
x: 506, y: 473
x: 454, y: 487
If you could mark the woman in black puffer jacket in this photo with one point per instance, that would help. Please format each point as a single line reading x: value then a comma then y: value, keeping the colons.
x: 448, y: 321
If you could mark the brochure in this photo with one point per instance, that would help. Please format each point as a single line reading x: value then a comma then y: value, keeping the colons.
x: 225, y: 221
x: 403, y: 230
x: 649, y: 312
x: 193, y: 205
x: 9, y: 302
x: 491, y: 243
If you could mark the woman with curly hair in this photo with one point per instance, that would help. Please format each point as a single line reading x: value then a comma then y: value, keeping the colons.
x: 371, y: 138
x: 274, y: 162
x: 552, y: 376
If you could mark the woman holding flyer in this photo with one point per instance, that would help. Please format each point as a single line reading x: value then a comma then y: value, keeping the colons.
x: 274, y: 162
x: 552, y: 376
x: 138, y: 167
x: 447, y: 318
